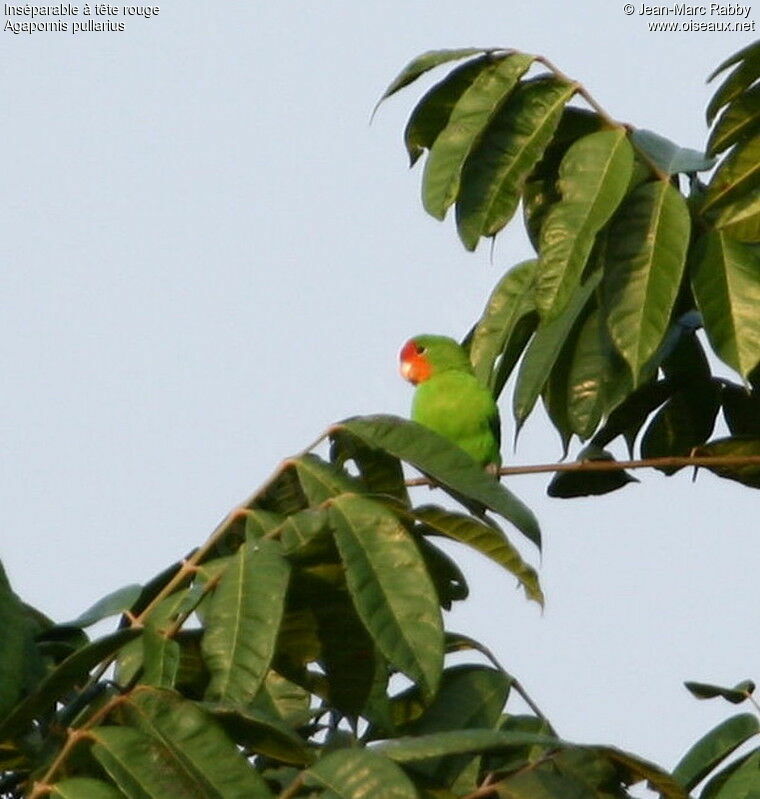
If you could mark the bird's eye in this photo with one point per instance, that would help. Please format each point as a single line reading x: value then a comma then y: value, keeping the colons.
x: 420, y: 349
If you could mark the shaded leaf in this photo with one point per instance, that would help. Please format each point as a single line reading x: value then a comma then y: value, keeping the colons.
x: 496, y: 171
x: 748, y: 475
x: 390, y: 587
x: 111, y: 605
x: 735, y: 695
x: 17, y: 642
x: 633, y: 412
x: 593, y: 177
x: 161, y: 657
x: 640, y: 769
x: 486, y: 539
x: 453, y: 469
x: 84, y: 788
x: 643, y: 263
x: 726, y: 285
x: 737, y: 176
x: 739, y: 780
x: 714, y: 747
x: 740, y: 119
x: 243, y: 621
x: 741, y: 219
x: 746, y: 73
x: 567, y: 485
x: 741, y: 409
x: 668, y: 156
x: 359, y: 774
x: 469, y: 119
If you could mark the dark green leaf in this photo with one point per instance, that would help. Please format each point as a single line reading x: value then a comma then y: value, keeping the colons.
x: 17, y: 643
x: 161, y: 657
x: 543, y: 783
x: 321, y: 480
x: 243, y: 621
x: 282, y: 494
x: 567, y: 485
x: 446, y: 575
x: 116, y: 602
x: 432, y: 113
x: 748, y: 475
x: 640, y: 769
x: 686, y: 420
x: 746, y: 73
x: 741, y: 409
x: 470, y: 118
x: 84, y: 788
x: 390, y: 587
x: 668, y: 156
x: 739, y: 780
x: 424, y: 63
x: 633, y: 412
x: 544, y: 350
x: 510, y: 301
x: 741, y: 118
x: 71, y: 672
x: 513, y: 349
x: 360, y: 774
x: 445, y: 463
x: 644, y: 260
x: 593, y: 177
x: 485, y: 538
x: 735, y: 695
x: 496, y: 170
x: 726, y: 284
x: 713, y: 748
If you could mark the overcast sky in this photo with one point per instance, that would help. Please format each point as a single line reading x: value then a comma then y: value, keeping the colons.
x: 211, y: 255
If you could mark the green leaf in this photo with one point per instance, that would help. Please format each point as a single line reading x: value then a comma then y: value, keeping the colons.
x: 736, y: 695
x: 713, y: 748
x: 306, y: 535
x: 445, y: 463
x: 543, y: 783
x: 513, y: 349
x: 446, y: 575
x: 360, y: 774
x: 510, y: 301
x: 496, y: 171
x: 390, y: 587
x: 726, y: 284
x: 741, y: 218
x: 321, y: 480
x: 737, y: 176
x: 748, y: 475
x: 740, y: 119
x: 17, y: 643
x: 741, y: 409
x: 282, y: 493
x: 486, y: 539
x: 640, y: 769
x: 644, y: 261
x: 243, y: 621
x: 593, y: 178
x: 633, y: 412
x: 568, y: 485
x: 193, y: 744
x: 111, y: 605
x: 424, y: 63
x: 68, y: 674
x: 686, y: 420
x: 544, y: 349
x: 739, y: 780
x: 469, y: 119
x: 432, y: 113
x: 668, y: 156
x: 84, y: 788
x: 746, y: 73
x: 161, y: 657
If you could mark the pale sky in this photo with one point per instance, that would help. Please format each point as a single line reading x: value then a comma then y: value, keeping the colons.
x: 210, y: 256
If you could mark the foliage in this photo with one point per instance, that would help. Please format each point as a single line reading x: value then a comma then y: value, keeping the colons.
x: 301, y: 651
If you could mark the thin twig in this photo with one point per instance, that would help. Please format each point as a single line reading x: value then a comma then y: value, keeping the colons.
x: 671, y: 461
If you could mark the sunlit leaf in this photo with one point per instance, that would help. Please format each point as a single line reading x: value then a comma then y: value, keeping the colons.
x: 740, y: 119
x: 737, y: 176
x: 741, y: 218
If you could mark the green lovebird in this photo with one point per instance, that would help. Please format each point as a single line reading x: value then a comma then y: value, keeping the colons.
x: 450, y: 399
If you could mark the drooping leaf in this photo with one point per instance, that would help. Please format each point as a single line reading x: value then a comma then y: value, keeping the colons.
x: 390, y: 587
x: 111, y: 605
x: 741, y: 219
x: 714, y: 747
x: 447, y: 577
x: 739, y: 780
x: 544, y: 349
x: 470, y: 118
x: 360, y: 774
x: 640, y: 769
x: 445, y: 463
x: 736, y: 695
x: 486, y: 539
x: 72, y: 671
x: 749, y: 474
x: 685, y: 421
x: 737, y: 176
x: 744, y: 75
x: 513, y: 350
x: 510, y: 301
x: 495, y: 172
x: 633, y: 412
x: 726, y: 284
x: 424, y: 63
x: 741, y: 118
x: 243, y: 620
x: 593, y: 178
x: 17, y: 644
x: 282, y: 493
x: 643, y: 264
x: 432, y: 113
x: 741, y: 409
x: 567, y: 485
x: 668, y: 156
